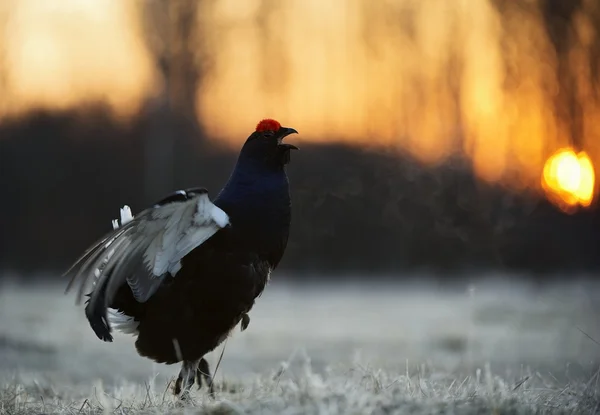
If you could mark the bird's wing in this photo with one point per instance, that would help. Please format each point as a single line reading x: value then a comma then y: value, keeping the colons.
x: 147, y: 247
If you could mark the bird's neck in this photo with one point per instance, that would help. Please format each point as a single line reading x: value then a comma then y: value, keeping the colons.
x: 256, y: 192
x: 257, y: 201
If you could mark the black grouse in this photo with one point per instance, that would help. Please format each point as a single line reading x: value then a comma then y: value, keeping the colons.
x: 183, y: 273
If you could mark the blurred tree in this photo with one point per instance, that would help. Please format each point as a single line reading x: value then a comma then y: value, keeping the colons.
x: 170, y: 28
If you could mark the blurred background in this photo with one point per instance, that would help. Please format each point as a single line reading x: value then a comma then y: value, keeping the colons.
x: 441, y: 141
x: 435, y: 135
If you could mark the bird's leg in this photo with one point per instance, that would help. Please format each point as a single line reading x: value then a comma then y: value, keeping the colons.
x: 203, y: 371
x: 245, y: 321
x: 185, y: 380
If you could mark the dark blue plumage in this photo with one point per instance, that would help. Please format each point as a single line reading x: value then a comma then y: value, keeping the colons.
x: 185, y: 312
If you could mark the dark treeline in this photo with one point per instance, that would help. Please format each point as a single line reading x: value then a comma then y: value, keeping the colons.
x: 64, y: 177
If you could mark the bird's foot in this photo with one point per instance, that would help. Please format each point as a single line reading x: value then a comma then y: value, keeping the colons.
x: 185, y: 380
x: 203, y: 372
x: 245, y: 321
x: 193, y: 371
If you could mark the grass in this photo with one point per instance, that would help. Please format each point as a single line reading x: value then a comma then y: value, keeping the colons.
x: 354, y: 390
x: 423, y: 351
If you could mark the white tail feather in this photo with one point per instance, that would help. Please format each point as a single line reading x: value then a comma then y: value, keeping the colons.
x: 122, y: 322
x: 126, y: 217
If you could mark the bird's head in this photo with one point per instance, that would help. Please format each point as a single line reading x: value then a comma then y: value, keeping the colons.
x: 266, y: 144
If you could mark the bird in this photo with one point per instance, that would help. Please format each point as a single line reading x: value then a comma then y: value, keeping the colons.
x: 183, y: 273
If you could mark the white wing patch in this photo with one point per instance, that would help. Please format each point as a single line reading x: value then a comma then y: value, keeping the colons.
x: 143, y: 249
x: 187, y: 226
x: 219, y: 216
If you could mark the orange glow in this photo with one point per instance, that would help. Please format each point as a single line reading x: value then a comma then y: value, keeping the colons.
x: 60, y: 54
x: 569, y: 178
x: 432, y: 77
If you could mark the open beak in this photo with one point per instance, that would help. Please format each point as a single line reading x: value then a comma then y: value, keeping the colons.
x: 284, y: 132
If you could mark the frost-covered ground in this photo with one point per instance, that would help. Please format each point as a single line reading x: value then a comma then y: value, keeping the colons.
x: 498, y: 345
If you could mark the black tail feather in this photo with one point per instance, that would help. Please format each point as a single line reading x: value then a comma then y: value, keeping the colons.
x: 97, y: 317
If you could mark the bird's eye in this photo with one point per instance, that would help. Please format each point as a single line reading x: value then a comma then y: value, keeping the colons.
x: 268, y: 134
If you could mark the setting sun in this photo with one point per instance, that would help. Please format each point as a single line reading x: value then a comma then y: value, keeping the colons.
x: 569, y: 178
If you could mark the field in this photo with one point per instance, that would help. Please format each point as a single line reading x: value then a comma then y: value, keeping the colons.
x: 498, y: 346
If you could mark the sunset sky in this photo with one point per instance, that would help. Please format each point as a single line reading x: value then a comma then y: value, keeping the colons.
x: 432, y: 77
